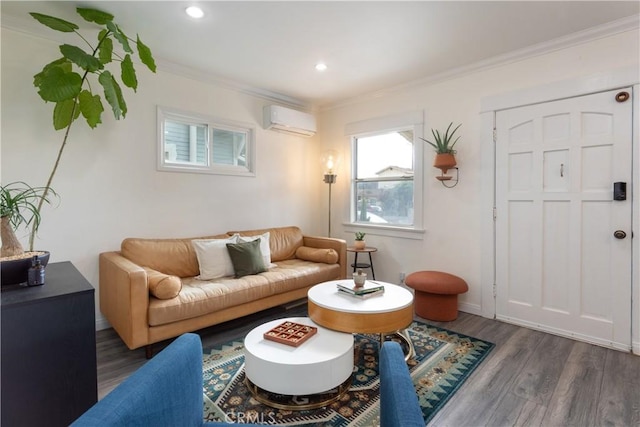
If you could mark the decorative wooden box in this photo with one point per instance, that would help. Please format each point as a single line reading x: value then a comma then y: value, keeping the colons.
x: 290, y: 333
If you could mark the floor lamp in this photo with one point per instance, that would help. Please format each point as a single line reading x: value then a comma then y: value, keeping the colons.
x: 329, y: 161
x: 330, y: 178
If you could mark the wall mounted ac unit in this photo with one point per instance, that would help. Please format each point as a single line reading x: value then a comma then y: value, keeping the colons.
x: 290, y: 121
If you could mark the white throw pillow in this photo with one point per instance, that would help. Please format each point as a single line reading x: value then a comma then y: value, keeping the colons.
x: 213, y: 257
x: 265, y: 250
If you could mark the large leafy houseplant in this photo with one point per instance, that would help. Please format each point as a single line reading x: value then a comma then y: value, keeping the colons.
x: 69, y: 82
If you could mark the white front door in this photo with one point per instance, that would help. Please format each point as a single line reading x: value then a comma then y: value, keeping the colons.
x: 563, y: 264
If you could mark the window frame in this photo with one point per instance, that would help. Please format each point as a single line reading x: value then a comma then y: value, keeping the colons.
x: 211, y: 123
x: 408, y: 121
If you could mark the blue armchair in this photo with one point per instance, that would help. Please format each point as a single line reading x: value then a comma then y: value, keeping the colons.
x: 398, y: 400
x: 166, y: 391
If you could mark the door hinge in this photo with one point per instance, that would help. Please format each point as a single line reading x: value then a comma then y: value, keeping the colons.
x: 495, y: 214
x: 495, y: 293
x: 495, y: 135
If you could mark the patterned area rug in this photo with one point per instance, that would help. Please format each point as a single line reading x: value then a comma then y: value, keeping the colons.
x: 443, y: 361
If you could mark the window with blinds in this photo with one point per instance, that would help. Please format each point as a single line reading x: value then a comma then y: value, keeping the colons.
x: 194, y: 143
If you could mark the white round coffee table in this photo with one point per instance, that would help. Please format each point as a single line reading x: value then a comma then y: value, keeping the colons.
x: 390, y: 312
x: 320, y: 364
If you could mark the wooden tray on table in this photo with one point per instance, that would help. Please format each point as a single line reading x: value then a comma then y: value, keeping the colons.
x: 290, y: 333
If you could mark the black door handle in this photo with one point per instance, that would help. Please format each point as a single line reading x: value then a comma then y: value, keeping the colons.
x: 619, y: 234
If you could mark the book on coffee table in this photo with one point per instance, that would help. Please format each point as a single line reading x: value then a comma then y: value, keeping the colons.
x: 367, y: 288
x: 290, y: 333
x: 364, y: 295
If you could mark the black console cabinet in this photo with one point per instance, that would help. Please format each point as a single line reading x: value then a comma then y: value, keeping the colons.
x: 48, y: 350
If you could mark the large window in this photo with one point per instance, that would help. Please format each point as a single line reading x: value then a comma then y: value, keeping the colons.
x: 384, y: 178
x: 386, y: 175
x: 194, y: 143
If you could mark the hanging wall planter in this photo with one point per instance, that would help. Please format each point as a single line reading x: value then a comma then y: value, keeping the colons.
x: 444, y: 162
x: 445, y: 154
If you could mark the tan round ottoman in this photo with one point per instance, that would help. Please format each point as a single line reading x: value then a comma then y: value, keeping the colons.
x: 436, y: 294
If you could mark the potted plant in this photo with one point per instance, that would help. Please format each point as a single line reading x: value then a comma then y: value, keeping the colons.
x: 69, y: 82
x: 18, y: 207
x: 359, y: 242
x: 445, y: 157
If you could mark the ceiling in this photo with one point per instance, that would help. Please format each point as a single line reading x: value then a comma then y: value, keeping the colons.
x: 272, y: 47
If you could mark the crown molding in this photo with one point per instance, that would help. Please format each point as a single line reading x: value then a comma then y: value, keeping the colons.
x: 630, y: 23
x: 33, y: 29
x: 207, y: 77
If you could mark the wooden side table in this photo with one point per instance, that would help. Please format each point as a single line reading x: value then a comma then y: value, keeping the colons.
x: 389, y: 313
x: 368, y: 250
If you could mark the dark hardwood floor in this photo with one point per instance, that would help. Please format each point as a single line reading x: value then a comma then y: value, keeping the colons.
x: 529, y: 379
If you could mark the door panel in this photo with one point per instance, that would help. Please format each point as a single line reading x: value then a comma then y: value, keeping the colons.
x: 556, y: 260
x: 559, y: 267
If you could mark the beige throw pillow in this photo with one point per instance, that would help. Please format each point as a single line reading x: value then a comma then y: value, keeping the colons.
x: 213, y: 257
x: 327, y: 256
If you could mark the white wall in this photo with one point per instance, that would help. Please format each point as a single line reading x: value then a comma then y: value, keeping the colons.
x: 453, y: 218
x: 108, y: 182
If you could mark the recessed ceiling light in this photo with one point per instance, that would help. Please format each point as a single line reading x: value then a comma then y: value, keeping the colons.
x: 194, y: 12
x: 321, y: 66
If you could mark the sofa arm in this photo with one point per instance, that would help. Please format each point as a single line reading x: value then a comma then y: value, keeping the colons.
x: 124, y: 298
x: 166, y: 391
x: 398, y: 400
x: 339, y: 245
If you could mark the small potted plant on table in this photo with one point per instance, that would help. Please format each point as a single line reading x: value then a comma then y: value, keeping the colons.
x: 359, y: 242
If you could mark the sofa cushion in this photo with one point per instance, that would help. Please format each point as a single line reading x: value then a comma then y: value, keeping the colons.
x: 169, y: 256
x: 327, y: 256
x: 246, y: 258
x: 283, y: 241
x: 213, y: 257
x: 162, y: 286
x: 199, y: 298
x: 265, y: 249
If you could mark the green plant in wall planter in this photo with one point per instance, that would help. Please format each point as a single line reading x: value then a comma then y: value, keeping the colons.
x: 445, y: 153
x: 71, y: 82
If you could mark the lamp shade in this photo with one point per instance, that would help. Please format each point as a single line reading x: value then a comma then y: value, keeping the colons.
x: 330, y: 160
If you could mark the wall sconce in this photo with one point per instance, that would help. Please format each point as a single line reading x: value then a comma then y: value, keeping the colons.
x: 330, y: 160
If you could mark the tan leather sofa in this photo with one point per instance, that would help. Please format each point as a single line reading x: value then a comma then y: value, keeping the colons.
x: 142, y: 319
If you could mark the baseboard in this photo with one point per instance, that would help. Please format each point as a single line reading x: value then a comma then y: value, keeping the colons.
x: 102, y: 323
x: 635, y: 347
x: 566, y: 334
x: 470, y: 308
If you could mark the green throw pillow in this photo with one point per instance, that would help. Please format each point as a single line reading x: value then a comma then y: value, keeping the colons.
x: 246, y: 258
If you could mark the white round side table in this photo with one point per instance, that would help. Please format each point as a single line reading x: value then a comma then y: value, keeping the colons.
x: 322, y: 363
